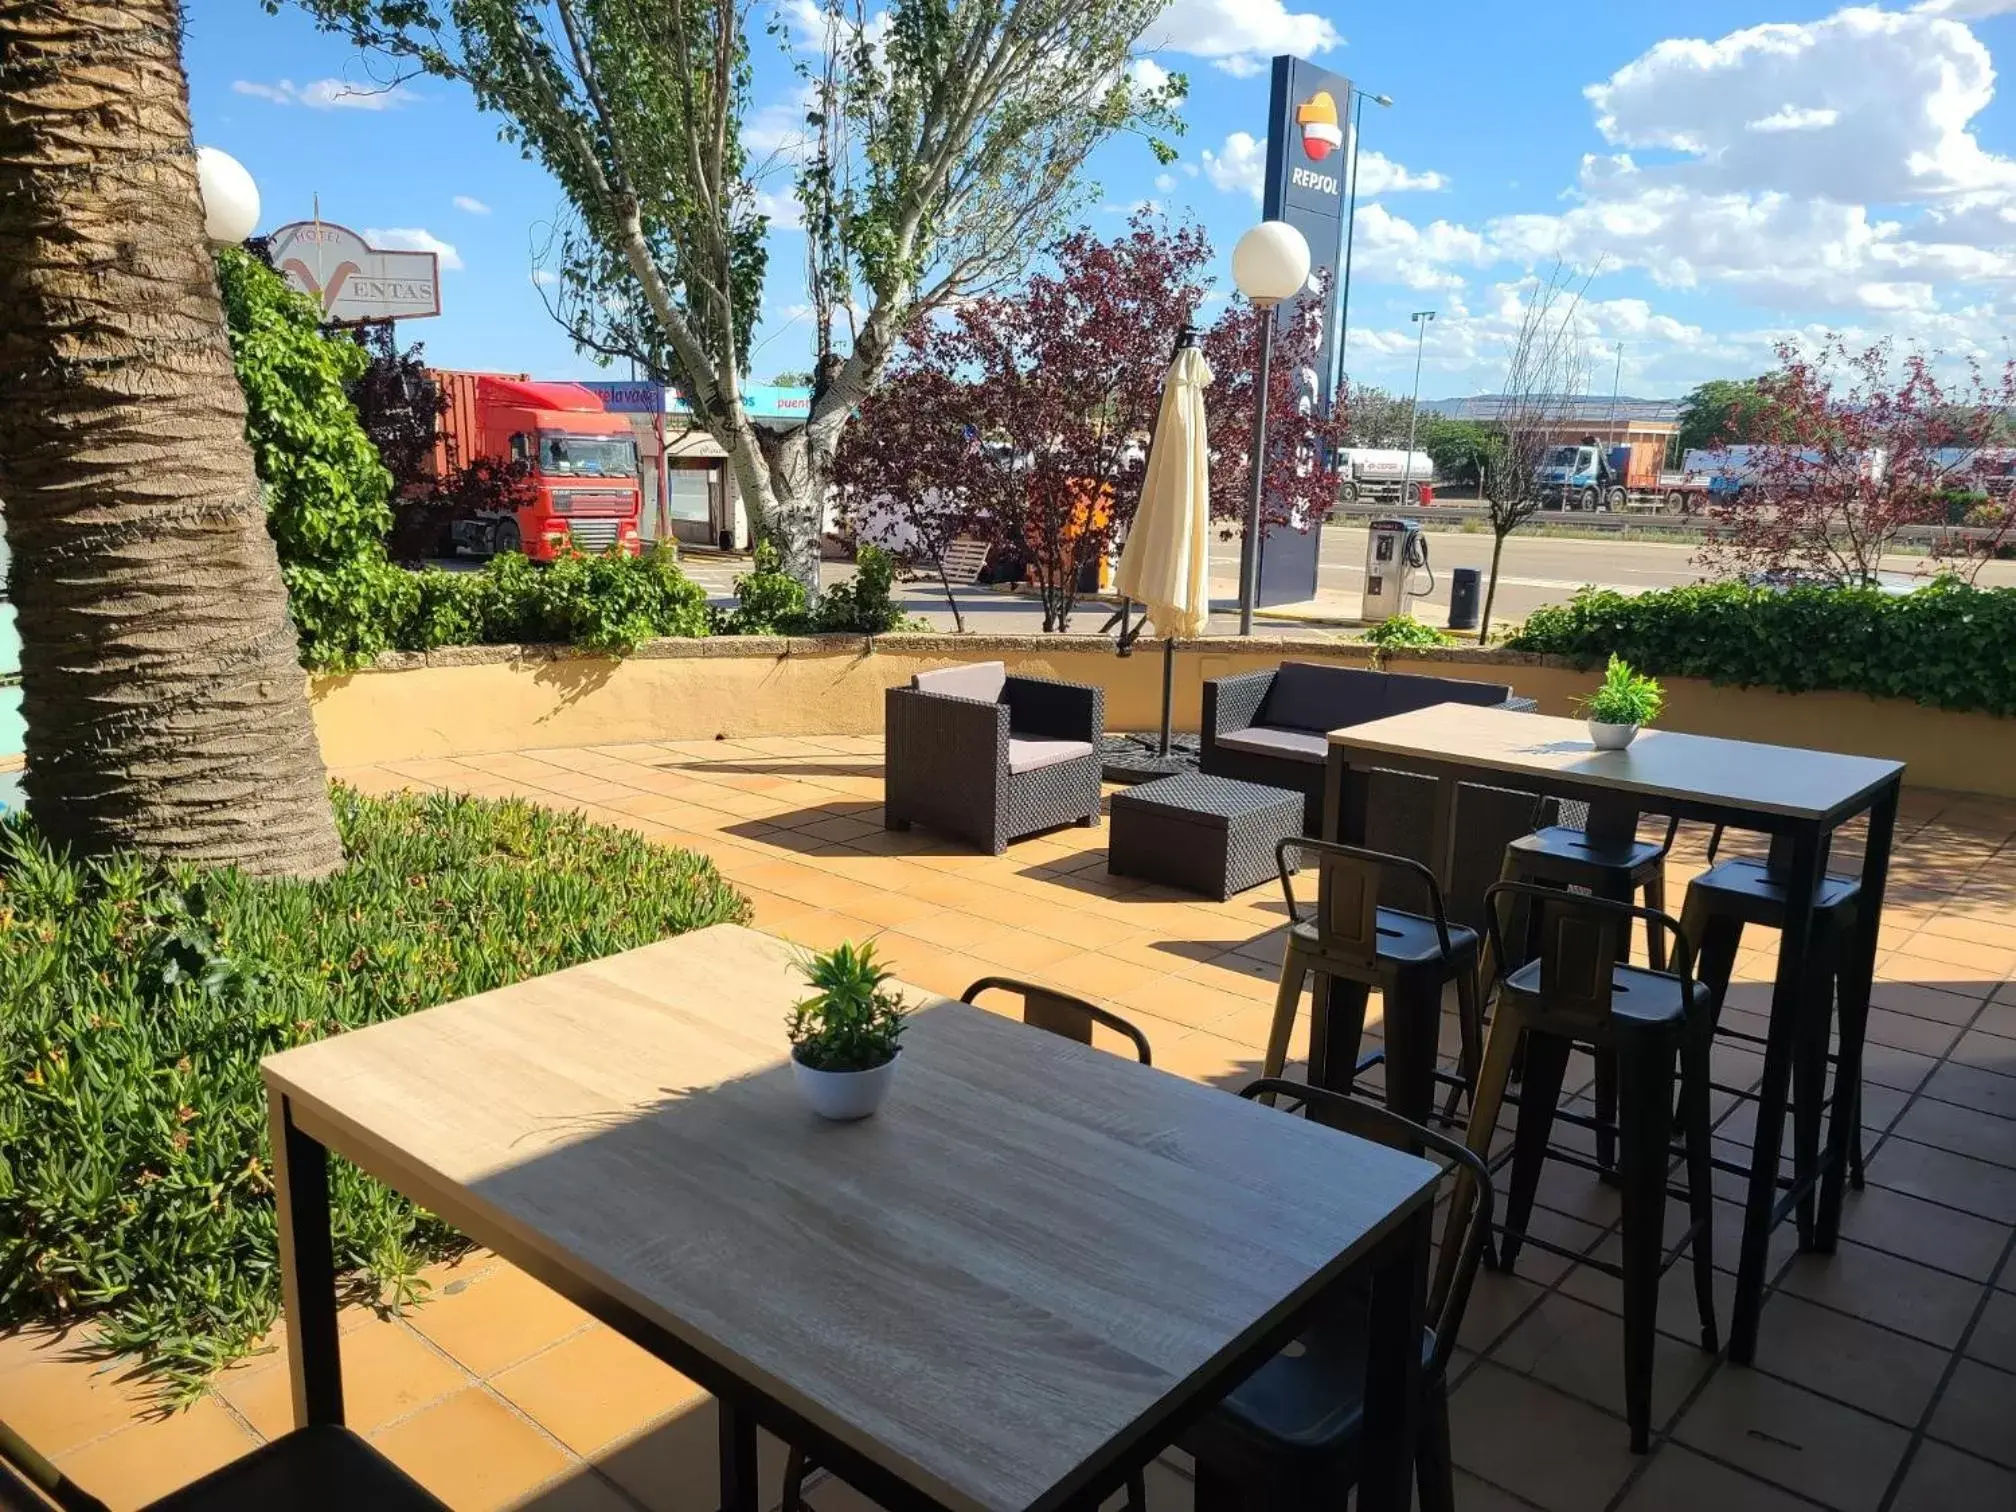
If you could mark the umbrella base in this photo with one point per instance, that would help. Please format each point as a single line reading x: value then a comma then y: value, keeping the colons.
x: 1132, y: 759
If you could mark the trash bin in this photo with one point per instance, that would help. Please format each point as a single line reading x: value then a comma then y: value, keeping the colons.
x: 1463, y: 589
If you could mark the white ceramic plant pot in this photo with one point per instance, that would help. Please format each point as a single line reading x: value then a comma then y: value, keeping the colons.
x: 843, y: 1096
x: 1611, y: 737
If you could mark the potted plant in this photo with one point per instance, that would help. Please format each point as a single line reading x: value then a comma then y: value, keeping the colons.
x: 846, y: 1036
x: 1622, y: 702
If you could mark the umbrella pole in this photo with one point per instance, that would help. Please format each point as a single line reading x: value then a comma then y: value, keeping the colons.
x: 1168, y: 687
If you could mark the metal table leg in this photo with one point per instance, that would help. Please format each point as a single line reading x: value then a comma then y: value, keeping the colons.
x: 738, y: 1458
x: 307, y: 1269
x: 1393, y: 1407
x: 1802, y: 878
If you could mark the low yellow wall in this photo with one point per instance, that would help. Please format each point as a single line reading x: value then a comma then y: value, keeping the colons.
x: 485, y: 699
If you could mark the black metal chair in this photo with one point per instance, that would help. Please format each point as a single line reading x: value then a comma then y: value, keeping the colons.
x: 310, y: 1470
x: 1409, y: 957
x: 1074, y: 1019
x: 1593, y: 848
x: 1740, y: 891
x: 1288, y: 1437
x: 1575, y: 990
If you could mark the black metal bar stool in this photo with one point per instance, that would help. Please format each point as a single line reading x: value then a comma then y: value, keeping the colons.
x: 1603, y: 857
x: 1576, y: 991
x: 1409, y: 957
x: 1742, y: 891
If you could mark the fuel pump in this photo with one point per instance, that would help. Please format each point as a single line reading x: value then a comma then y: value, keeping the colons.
x: 1396, y: 560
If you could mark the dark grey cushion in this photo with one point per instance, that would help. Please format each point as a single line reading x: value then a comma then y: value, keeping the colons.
x: 1408, y: 691
x: 1271, y: 740
x: 980, y: 681
x: 1307, y: 696
x: 1027, y: 753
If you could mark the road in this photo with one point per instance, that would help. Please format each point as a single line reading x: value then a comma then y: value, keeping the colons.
x: 1537, y: 570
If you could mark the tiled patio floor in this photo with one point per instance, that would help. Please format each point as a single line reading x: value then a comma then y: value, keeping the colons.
x: 1886, y: 1374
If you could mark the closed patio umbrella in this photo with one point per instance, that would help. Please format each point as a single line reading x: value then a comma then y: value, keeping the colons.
x: 1166, y: 563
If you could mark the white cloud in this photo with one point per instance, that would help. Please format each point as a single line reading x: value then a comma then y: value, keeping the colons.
x: 414, y: 239
x: 782, y: 208
x: 471, y: 205
x: 1164, y: 182
x: 327, y: 94
x: 1965, y: 10
x: 545, y: 278
x: 1147, y: 73
x: 1239, y: 166
x: 1866, y: 106
x: 1239, y: 36
x: 1379, y: 174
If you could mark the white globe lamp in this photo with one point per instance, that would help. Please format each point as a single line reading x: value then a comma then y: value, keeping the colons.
x: 1271, y: 263
x: 230, y: 198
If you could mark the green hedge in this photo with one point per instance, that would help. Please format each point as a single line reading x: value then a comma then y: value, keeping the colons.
x: 137, y: 1003
x: 1948, y: 645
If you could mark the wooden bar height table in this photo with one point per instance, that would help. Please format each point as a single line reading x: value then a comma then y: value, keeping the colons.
x: 1798, y: 797
x: 1009, y: 1289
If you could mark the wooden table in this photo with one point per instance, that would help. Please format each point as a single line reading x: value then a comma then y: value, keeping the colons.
x: 1013, y: 1286
x: 1798, y: 797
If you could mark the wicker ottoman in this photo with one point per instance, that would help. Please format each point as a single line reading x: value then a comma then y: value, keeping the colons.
x: 1208, y: 834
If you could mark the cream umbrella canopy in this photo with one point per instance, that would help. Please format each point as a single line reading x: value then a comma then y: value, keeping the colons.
x: 1166, y: 564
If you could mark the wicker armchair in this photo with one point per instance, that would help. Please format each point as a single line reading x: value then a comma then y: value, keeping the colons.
x: 1269, y: 727
x: 973, y: 752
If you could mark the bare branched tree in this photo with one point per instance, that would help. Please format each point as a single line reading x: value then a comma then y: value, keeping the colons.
x: 1548, y: 366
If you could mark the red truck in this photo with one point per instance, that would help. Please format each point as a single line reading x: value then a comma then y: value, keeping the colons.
x: 581, y: 485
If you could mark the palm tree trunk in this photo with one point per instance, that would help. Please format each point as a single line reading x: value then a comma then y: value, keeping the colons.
x: 166, y: 707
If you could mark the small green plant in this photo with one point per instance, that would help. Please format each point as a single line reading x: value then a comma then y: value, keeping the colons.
x: 768, y: 600
x: 1402, y: 630
x: 852, y: 1022
x: 1624, y: 697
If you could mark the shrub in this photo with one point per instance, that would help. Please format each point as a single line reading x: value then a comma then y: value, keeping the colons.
x: 134, y: 1161
x: 1398, y: 630
x: 326, y: 490
x: 599, y: 603
x: 770, y: 601
x: 1948, y: 645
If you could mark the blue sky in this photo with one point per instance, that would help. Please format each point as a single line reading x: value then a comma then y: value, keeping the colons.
x: 1737, y: 173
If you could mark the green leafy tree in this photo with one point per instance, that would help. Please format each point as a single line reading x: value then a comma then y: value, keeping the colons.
x: 1464, y: 451
x: 1722, y: 411
x: 327, y: 492
x: 1374, y: 417
x: 943, y: 145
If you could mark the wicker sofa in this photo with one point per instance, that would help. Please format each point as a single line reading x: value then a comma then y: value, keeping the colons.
x: 972, y: 752
x: 1269, y: 727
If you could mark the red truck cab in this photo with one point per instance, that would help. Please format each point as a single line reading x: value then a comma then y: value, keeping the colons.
x: 581, y: 490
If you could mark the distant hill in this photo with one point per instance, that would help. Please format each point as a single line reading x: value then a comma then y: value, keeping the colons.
x: 1590, y: 407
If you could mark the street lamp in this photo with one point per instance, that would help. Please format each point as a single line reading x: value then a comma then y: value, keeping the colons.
x: 1350, y: 225
x: 1421, y: 319
x: 1269, y: 264
x: 230, y: 198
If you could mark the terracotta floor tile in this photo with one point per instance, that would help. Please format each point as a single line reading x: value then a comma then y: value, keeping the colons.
x: 595, y: 1388
x: 1580, y: 1349
x: 1976, y: 1411
x: 388, y: 1372
x: 1802, y: 1442
x: 1679, y: 1480
x: 1925, y: 1002
x: 1957, y: 1181
x: 1914, y: 1299
x: 1962, y: 1131
x: 1986, y: 1052
x: 1868, y: 1367
x: 672, y: 1466
x: 1945, y: 1480
x: 1981, y: 1090
x: 496, y: 1318
x: 1923, y: 1231
x: 55, y: 1398
x: 1509, y: 1431
x: 156, y: 1455
x: 1994, y: 1338
x: 1098, y: 976
x: 473, y: 1452
x: 1904, y: 1031
x: 822, y: 929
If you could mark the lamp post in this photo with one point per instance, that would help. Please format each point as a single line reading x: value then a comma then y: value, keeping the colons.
x: 1421, y: 319
x: 230, y: 198
x: 1350, y: 225
x: 1270, y: 264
